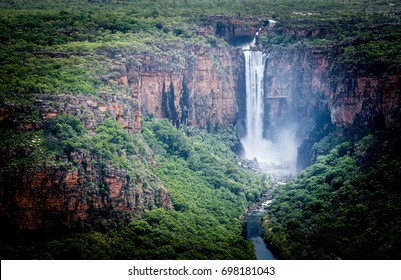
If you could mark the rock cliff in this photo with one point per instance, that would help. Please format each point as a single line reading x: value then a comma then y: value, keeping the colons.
x: 196, y: 86
x: 296, y: 82
x: 51, y: 197
x: 366, y: 100
x: 77, y: 188
x: 91, y: 110
x: 314, y: 89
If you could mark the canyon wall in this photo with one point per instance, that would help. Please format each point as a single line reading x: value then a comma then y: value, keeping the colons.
x: 312, y: 89
x: 366, y: 100
x: 192, y: 84
x: 54, y: 197
x: 296, y: 85
x: 196, y: 86
x: 77, y: 188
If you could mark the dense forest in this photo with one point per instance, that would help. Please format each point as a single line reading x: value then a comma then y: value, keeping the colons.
x: 208, y: 190
x: 58, y: 54
x: 345, y: 206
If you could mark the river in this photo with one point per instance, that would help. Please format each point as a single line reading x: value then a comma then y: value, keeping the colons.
x: 254, y: 233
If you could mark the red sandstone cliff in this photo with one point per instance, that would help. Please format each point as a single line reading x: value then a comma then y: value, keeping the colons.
x: 209, y: 76
x: 64, y: 196
x: 303, y: 82
x: 122, y: 109
x: 313, y: 88
x: 367, y: 100
x: 305, y: 78
x: 51, y: 197
x: 80, y: 189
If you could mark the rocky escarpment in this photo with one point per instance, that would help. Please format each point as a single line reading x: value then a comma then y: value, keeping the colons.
x: 54, y: 197
x: 366, y: 100
x: 76, y: 188
x: 195, y: 86
x: 296, y: 82
x: 90, y: 110
x: 312, y: 88
x: 304, y: 86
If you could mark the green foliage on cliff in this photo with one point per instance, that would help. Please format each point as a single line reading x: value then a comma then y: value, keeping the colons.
x: 208, y: 190
x: 79, y: 51
x: 110, y: 145
x: 23, y: 150
x: 209, y: 194
x: 344, y: 206
x: 56, y: 47
x: 364, y: 33
x: 374, y: 53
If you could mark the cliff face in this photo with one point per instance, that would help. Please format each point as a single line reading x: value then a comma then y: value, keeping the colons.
x: 52, y: 198
x: 366, y: 100
x: 80, y: 189
x: 296, y: 82
x: 196, y: 86
x: 192, y: 84
x: 125, y: 110
x: 308, y: 86
x: 305, y: 82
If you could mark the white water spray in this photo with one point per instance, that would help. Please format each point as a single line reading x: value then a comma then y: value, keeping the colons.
x: 254, y: 85
x: 280, y: 155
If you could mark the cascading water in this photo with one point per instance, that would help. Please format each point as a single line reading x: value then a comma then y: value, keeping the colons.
x: 254, y: 144
x: 254, y: 74
x: 278, y: 157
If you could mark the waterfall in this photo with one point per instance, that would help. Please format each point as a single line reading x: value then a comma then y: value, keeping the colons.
x: 278, y: 154
x: 254, y: 84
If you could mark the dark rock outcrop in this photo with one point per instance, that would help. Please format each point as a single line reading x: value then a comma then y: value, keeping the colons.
x: 57, y: 197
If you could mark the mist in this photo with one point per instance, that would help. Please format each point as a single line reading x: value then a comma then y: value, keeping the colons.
x: 279, y: 152
x: 277, y: 155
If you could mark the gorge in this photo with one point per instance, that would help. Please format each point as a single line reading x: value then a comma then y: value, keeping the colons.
x: 123, y: 123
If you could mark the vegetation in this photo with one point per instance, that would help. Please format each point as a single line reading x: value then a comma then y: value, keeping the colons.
x: 52, y: 47
x: 367, y: 33
x: 63, y: 50
x: 344, y: 206
x: 209, y: 192
x: 334, y: 209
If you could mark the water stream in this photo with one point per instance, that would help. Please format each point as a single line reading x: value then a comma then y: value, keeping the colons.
x: 263, y: 152
x: 254, y: 234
